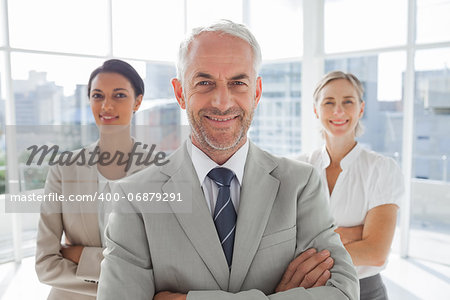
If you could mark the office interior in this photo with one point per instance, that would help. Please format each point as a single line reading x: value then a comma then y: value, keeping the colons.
x: 400, y: 50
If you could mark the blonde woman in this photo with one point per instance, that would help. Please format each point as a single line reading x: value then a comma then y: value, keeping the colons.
x: 364, y: 187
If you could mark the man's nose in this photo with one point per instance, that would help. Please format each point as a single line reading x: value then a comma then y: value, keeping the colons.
x: 222, y: 98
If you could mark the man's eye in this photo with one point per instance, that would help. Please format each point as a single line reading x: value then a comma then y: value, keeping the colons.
x: 348, y: 102
x: 238, y: 83
x: 204, y: 83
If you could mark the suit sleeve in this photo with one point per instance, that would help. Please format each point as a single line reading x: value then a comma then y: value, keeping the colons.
x: 89, y: 265
x: 51, y: 267
x: 127, y: 268
x: 126, y: 271
x: 314, y: 229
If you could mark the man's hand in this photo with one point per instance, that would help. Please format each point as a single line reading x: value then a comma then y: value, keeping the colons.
x: 350, y: 234
x: 72, y: 253
x: 169, y: 296
x: 309, y: 269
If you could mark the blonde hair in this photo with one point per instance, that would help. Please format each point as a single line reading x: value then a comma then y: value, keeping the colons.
x: 357, y: 85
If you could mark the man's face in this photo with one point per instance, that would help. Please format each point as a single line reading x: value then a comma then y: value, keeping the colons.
x: 220, y: 91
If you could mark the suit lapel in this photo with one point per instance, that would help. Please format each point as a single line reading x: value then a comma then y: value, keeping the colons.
x: 88, y: 176
x: 198, y: 224
x: 258, y: 192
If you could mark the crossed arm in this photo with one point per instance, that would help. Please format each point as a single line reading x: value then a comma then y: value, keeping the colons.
x: 369, y: 244
x: 63, y: 267
x: 129, y: 270
x: 309, y: 269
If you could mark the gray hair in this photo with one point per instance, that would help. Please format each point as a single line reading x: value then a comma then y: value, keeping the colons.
x: 224, y: 27
x: 357, y: 85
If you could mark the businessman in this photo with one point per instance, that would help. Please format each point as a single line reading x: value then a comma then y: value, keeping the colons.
x: 259, y: 227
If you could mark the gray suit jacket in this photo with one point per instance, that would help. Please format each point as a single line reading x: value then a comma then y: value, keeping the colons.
x: 282, y: 212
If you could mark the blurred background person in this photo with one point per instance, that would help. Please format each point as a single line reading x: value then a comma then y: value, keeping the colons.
x: 115, y: 92
x: 364, y: 187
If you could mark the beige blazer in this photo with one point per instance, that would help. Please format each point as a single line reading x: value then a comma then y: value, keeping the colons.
x: 282, y: 212
x: 79, y: 223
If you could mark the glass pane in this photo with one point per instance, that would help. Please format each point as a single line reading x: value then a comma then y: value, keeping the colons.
x: 2, y: 128
x: 283, y: 36
x: 364, y: 24
x: 200, y: 12
x: 430, y: 208
x: 147, y: 29
x: 158, y: 76
x: 433, y: 22
x: 77, y: 26
x: 159, y: 116
x: 2, y: 36
x: 276, y: 125
x: 382, y: 78
x: 50, y: 89
x: 6, y: 243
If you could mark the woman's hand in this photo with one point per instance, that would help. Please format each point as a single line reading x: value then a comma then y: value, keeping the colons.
x: 72, y: 253
x: 350, y: 234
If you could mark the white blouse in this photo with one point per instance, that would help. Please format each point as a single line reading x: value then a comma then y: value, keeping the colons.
x: 367, y: 180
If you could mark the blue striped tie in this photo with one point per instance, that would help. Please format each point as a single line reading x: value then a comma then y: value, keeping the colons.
x: 224, y: 213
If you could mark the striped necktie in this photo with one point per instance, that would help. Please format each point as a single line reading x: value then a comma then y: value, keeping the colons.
x: 224, y: 213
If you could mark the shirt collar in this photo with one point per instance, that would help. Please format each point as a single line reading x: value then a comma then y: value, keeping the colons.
x: 203, y: 164
x: 325, y: 161
x: 345, y: 162
x: 351, y: 156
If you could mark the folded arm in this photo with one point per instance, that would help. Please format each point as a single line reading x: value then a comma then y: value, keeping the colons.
x: 373, y: 247
x: 127, y: 270
x: 309, y: 269
x: 51, y: 266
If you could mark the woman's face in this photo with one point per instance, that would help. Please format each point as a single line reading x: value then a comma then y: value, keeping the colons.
x: 339, y: 108
x: 112, y: 99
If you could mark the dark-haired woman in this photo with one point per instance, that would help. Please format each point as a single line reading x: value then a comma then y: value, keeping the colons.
x: 71, y: 265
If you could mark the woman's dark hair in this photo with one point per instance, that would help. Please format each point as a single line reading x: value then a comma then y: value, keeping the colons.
x: 120, y: 67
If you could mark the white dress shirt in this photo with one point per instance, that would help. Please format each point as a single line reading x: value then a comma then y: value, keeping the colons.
x: 367, y: 180
x: 203, y: 164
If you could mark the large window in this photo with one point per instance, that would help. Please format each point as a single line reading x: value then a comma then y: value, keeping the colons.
x: 431, y: 154
x: 276, y: 125
x: 433, y: 21
x: 2, y: 129
x: 54, y: 45
x: 280, y: 35
x: 354, y: 25
x: 147, y: 29
x: 6, y: 241
x: 75, y: 26
x: 430, y: 201
x: 369, y: 39
x: 199, y: 12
